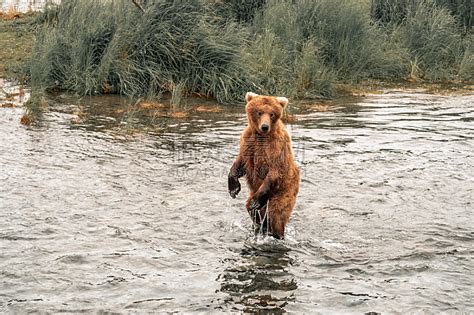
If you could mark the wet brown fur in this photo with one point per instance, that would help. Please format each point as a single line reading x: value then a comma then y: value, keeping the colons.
x: 266, y: 160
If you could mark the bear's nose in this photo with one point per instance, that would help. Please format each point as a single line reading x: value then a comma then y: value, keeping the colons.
x: 265, y: 127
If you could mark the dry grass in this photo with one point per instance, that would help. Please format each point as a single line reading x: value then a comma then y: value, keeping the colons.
x: 26, y: 120
x: 11, y: 14
x: 318, y: 106
x: 208, y: 109
x: 35, y: 107
x: 179, y: 114
x: 150, y: 105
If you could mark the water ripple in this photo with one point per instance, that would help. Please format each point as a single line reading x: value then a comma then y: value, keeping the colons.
x: 115, y: 215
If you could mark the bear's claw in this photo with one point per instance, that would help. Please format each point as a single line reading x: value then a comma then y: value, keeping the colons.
x: 235, y: 192
x: 234, y: 187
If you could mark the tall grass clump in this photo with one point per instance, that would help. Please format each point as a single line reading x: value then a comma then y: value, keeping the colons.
x: 466, y: 67
x: 395, y: 11
x: 242, y: 11
x: 389, y: 11
x: 303, y: 47
x: 71, y: 45
x: 433, y: 40
x: 463, y: 10
x: 181, y: 42
x: 276, y: 68
x: 349, y: 42
x: 175, y: 44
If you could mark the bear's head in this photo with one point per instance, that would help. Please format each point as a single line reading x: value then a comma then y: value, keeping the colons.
x: 264, y: 112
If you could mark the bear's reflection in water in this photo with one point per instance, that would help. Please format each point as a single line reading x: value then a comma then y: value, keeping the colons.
x: 258, y: 280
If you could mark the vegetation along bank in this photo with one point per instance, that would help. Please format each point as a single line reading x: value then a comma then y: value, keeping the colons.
x: 221, y: 49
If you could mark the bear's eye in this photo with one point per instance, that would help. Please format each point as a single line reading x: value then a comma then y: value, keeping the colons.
x: 259, y: 113
x: 272, y: 115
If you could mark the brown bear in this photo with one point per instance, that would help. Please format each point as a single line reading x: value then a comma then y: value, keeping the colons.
x: 266, y: 160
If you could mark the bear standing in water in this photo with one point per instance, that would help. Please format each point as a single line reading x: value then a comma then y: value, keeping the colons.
x: 266, y: 160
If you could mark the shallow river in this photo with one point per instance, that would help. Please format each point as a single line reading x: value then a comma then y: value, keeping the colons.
x: 101, y: 213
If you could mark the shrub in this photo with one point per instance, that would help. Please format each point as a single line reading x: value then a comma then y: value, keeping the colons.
x: 243, y: 11
x: 395, y: 11
x: 466, y: 66
x: 70, y: 47
x: 433, y: 40
x: 345, y: 43
x: 96, y: 43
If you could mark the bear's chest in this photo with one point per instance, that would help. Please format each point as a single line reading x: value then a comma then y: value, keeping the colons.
x: 257, y: 159
x: 260, y: 168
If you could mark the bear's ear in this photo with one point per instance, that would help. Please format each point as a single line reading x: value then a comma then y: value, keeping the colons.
x: 249, y: 96
x: 283, y: 101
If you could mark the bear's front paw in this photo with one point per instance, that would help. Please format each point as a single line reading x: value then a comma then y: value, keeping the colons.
x: 254, y: 205
x: 234, y: 187
x: 258, y: 202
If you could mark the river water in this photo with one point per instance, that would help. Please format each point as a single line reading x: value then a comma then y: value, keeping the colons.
x: 108, y: 209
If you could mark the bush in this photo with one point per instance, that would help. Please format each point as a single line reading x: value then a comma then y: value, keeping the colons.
x: 389, y: 11
x: 466, y: 66
x: 70, y: 47
x: 181, y: 43
x: 395, y: 11
x: 96, y: 44
x: 277, y: 71
x: 243, y: 11
x: 433, y: 40
x: 345, y: 44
